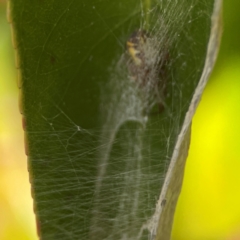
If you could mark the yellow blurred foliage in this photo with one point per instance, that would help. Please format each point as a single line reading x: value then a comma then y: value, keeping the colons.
x: 208, y: 208
x: 17, y: 221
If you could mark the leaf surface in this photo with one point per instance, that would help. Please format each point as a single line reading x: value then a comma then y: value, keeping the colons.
x: 102, y: 118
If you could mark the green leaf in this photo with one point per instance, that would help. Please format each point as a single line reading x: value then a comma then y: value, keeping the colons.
x: 102, y: 120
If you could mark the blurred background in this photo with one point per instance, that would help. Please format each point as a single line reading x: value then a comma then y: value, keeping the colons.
x: 209, y: 205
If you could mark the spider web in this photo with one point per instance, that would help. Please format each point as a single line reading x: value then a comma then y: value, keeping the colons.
x: 138, y: 146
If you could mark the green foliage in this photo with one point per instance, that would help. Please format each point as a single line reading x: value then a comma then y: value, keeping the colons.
x: 98, y: 147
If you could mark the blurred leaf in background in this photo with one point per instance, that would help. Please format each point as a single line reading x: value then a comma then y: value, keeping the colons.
x: 209, y: 204
x: 209, y: 207
x: 17, y: 220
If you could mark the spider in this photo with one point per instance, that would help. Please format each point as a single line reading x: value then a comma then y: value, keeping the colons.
x: 147, y: 66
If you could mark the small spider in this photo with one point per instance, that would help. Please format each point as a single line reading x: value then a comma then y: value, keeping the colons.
x: 147, y: 67
x: 135, y: 46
